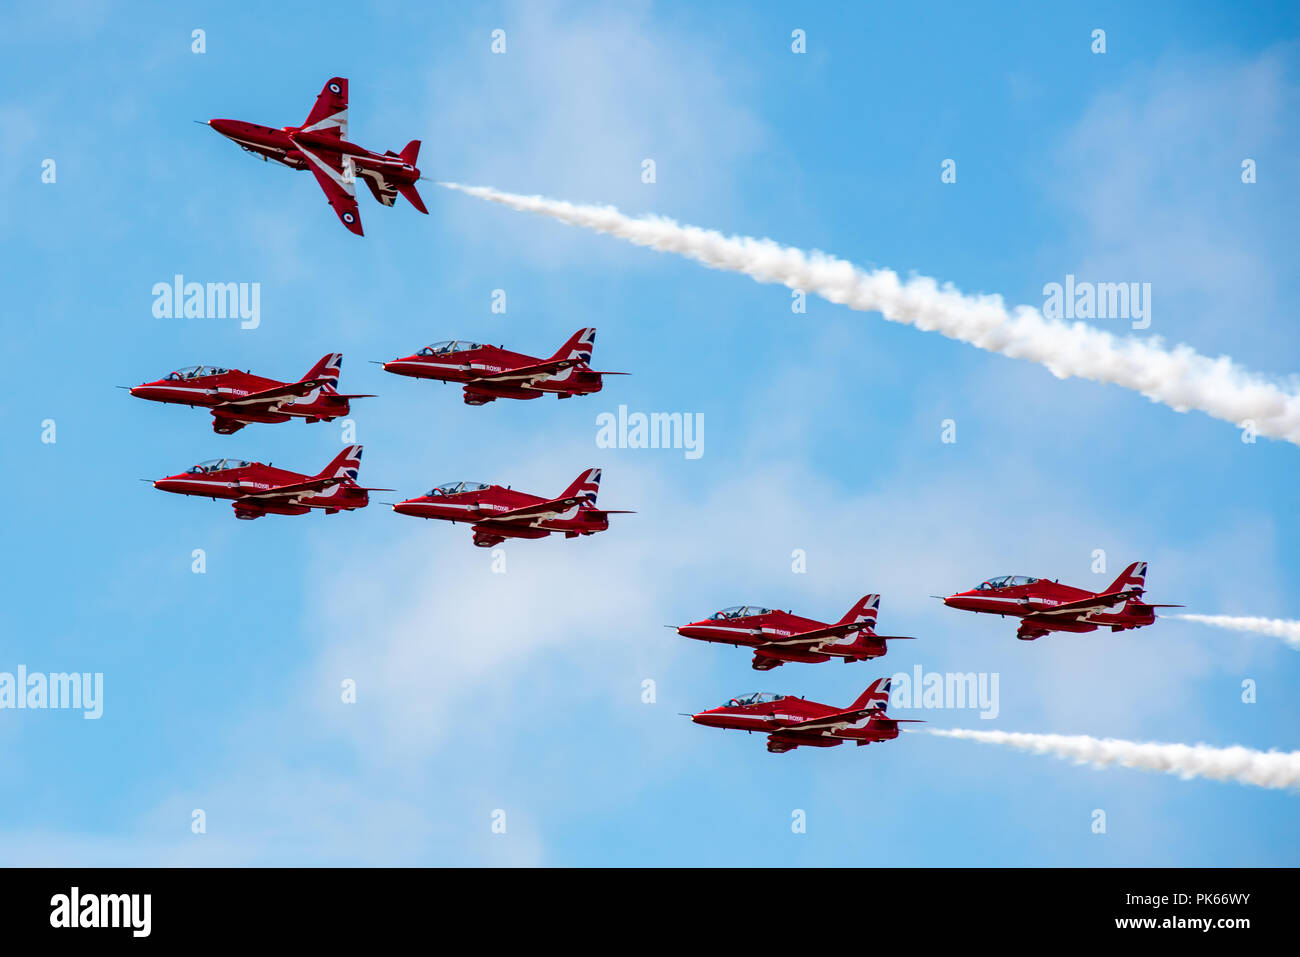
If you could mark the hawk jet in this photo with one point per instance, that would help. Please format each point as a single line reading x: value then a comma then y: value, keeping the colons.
x: 1044, y: 606
x: 321, y: 145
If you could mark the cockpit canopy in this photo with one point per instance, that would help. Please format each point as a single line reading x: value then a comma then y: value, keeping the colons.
x: 754, y: 697
x: 194, y: 372
x: 454, y: 488
x: 738, y: 611
x: 449, y: 346
x: 217, y: 465
x: 1006, y: 581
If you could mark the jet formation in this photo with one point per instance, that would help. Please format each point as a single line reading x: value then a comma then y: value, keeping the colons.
x: 495, y: 513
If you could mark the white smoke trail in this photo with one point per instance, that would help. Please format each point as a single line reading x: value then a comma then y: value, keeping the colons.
x: 1271, y: 769
x: 1286, y: 629
x: 1179, y: 377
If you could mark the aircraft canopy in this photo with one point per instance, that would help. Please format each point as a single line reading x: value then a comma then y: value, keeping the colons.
x: 453, y: 488
x: 217, y: 465
x: 754, y: 697
x: 194, y: 372
x: 449, y: 346
x: 739, y: 611
x: 1006, y: 581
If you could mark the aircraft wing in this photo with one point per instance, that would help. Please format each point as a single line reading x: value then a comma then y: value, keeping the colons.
x: 821, y: 634
x: 341, y: 191
x: 540, y: 370
x: 832, y: 721
x: 554, y: 507
x: 329, y: 114
x: 294, y: 390
x: 294, y: 488
x: 1095, y: 603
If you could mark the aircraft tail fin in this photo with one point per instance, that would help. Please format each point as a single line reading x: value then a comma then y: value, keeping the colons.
x: 585, y: 485
x: 347, y: 464
x: 876, y: 696
x: 577, y: 346
x: 327, y: 368
x: 867, y: 608
x: 1132, y: 577
x: 411, y: 152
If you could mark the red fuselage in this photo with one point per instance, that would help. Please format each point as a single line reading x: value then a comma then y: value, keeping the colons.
x: 281, y: 144
x: 220, y: 387
x: 779, y: 716
x: 1037, y: 603
x: 465, y: 366
x: 242, y: 482
x: 755, y: 626
x: 475, y: 502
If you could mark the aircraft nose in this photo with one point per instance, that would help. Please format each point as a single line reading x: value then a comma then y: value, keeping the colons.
x: 224, y: 127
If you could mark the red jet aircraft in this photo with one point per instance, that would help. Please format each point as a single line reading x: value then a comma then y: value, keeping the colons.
x: 781, y: 636
x: 1045, y: 606
x: 791, y: 722
x: 321, y: 145
x: 238, y: 398
x: 259, y: 489
x: 498, y: 513
x: 490, y: 373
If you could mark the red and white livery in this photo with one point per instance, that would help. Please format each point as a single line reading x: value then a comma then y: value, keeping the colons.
x: 321, y: 145
x: 780, y: 636
x: 496, y: 513
x: 791, y: 722
x: 489, y: 373
x: 256, y: 489
x: 237, y: 398
x: 1044, y: 606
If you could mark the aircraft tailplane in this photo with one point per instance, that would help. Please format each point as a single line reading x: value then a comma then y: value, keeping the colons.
x: 412, y: 197
x: 411, y: 152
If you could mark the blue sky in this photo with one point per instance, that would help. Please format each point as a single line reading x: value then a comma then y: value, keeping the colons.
x: 523, y: 691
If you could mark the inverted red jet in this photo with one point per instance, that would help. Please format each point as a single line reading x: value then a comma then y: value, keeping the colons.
x: 237, y: 398
x: 490, y: 373
x: 321, y: 145
x: 791, y: 722
x: 258, y: 489
x: 497, y: 513
x: 781, y: 636
x: 1045, y: 606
